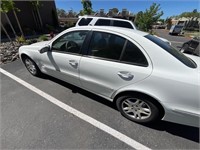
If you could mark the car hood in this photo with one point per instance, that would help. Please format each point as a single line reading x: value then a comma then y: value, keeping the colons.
x: 40, y: 44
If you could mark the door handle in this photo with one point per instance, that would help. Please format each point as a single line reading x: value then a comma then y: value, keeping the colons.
x: 125, y: 75
x: 73, y: 63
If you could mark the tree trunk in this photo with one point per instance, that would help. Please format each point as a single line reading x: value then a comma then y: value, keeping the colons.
x: 35, y: 20
x: 39, y: 17
x: 10, y: 25
x: 20, y: 28
x: 7, y: 34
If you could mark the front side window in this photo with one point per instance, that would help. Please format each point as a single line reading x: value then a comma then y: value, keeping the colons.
x: 123, y: 24
x: 106, y: 45
x: 70, y: 42
x: 102, y: 22
x: 132, y: 54
x: 84, y: 21
x: 177, y: 54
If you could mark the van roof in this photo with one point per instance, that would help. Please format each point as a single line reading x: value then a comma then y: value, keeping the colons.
x: 120, y: 30
x: 108, y: 18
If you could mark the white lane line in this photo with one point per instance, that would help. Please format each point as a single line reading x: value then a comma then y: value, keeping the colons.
x: 134, y: 144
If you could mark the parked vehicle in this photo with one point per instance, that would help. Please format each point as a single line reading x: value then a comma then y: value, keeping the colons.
x: 135, y: 70
x: 103, y: 21
x: 191, y: 46
x: 175, y: 29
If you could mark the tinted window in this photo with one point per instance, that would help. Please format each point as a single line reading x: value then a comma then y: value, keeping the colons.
x: 70, y: 42
x: 103, y: 22
x: 84, y: 21
x: 122, y: 24
x: 177, y: 54
x: 106, y: 45
x: 133, y: 55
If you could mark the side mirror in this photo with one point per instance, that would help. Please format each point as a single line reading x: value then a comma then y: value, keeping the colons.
x: 44, y: 49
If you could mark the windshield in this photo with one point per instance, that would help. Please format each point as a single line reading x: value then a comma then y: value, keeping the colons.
x: 174, y: 52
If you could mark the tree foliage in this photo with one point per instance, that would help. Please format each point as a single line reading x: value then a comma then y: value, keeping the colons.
x: 194, y: 13
x: 87, y: 7
x: 7, y: 5
x: 61, y: 12
x: 115, y: 10
x: 145, y: 20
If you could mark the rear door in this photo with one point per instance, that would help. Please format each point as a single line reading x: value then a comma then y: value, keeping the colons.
x: 112, y: 62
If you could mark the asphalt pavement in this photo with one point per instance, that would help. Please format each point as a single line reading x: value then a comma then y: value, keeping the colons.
x: 30, y: 121
x: 176, y: 40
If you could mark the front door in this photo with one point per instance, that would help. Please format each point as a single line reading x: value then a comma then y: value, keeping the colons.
x: 63, y: 60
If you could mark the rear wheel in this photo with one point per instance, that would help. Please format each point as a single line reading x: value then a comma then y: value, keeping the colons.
x: 136, y: 108
x: 31, y: 66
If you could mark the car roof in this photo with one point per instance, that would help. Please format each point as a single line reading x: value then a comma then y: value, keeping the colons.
x: 125, y: 31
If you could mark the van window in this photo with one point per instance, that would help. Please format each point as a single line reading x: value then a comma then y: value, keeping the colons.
x: 174, y: 52
x: 102, y: 22
x: 123, y: 24
x: 84, y: 21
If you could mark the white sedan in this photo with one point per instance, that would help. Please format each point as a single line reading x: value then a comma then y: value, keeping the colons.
x: 145, y: 77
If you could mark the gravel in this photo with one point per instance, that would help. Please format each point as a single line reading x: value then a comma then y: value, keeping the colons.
x: 9, y: 52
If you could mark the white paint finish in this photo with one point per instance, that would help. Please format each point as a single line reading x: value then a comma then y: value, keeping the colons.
x: 170, y: 82
x: 59, y: 65
x: 105, y: 79
x: 134, y: 144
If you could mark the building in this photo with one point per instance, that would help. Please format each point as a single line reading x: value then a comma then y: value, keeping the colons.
x: 32, y: 19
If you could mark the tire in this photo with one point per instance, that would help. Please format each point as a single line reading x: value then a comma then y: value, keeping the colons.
x: 137, y: 108
x: 31, y: 66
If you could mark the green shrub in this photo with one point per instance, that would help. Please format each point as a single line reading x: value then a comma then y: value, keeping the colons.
x: 20, y: 39
x: 43, y: 38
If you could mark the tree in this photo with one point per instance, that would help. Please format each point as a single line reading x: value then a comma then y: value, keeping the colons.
x: 195, y: 11
x: 115, y: 10
x: 14, y: 9
x: 36, y: 4
x: 146, y: 19
x: 61, y: 13
x: 168, y: 21
x: 6, y: 34
x: 5, y: 8
x: 87, y: 7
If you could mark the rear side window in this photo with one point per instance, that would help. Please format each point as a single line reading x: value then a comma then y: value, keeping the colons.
x: 123, y: 24
x: 132, y: 54
x: 177, y: 54
x: 106, y: 45
x: 102, y: 22
x: 84, y: 21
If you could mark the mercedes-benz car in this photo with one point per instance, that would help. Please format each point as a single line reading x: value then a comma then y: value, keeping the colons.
x: 145, y: 77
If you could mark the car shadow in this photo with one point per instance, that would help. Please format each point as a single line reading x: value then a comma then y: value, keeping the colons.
x: 187, y: 132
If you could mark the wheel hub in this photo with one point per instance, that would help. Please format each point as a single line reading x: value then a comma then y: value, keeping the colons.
x: 136, y: 108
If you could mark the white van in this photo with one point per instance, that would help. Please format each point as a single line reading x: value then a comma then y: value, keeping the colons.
x: 103, y: 21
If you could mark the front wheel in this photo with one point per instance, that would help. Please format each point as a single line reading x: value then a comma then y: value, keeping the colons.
x: 139, y: 109
x: 31, y: 66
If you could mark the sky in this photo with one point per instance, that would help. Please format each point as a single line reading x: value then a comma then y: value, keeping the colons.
x: 169, y: 7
